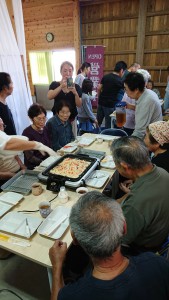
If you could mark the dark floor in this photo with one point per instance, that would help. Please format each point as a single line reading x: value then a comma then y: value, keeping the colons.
x: 27, y: 279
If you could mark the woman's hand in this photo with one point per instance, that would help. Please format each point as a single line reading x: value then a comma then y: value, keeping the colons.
x: 23, y: 167
x: 44, y: 149
x: 6, y: 175
x: 96, y: 123
x: 73, y: 90
x: 20, y: 163
x: 63, y: 83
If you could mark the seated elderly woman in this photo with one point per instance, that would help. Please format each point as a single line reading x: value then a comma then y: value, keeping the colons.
x: 150, y: 86
x: 157, y: 141
x: 9, y: 163
x: 37, y: 131
x: 59, y: 125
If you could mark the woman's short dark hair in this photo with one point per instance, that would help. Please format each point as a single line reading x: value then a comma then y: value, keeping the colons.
x: 120, y: 65
x: 5, y: 80
x: 60, y: 104
x: 79, y: 71
x: 35, y: 110
x: 87, y: 86
x: 135, y: 81
x: 152, y: 82
x: 85, y: 65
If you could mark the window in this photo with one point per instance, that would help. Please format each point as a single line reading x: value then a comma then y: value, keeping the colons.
x: 60, y: 56
x: 41, y: 67
x: 45, y: 66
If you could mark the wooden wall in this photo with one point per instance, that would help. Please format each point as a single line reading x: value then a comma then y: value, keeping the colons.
x: 131, y: 30
x: 61, y: 17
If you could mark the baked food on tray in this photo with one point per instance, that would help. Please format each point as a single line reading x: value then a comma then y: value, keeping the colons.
x: 70, y: 167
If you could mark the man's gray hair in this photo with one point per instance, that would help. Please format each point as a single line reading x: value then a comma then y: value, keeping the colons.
x: 130, y: 150
x: 97, y: 222
x: 145, y: 74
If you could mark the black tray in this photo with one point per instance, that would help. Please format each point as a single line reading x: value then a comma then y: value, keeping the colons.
x: 92, y: 161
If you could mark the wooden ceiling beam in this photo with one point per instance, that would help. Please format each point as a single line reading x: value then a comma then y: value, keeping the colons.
x: 109, y: 36
x: 121, y: 35
x: 109, y: 19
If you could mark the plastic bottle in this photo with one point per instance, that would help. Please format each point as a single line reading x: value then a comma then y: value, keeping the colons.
x: 63, y: 195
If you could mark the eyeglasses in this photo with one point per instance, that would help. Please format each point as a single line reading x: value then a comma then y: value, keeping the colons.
x: 64, y: 113
x: 37, y: 119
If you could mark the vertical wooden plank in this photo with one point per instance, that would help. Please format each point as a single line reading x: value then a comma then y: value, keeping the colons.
x: 141, y: 31
x: 76, y: 25
x: 11, y: 14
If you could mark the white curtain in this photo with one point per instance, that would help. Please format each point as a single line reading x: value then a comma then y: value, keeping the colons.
x: 19, y: 25
x: 10, y: 62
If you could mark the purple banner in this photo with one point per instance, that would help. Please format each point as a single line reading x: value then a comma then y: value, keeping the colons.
x: 95, y: 56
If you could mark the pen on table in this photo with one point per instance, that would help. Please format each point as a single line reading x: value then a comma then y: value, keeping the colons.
x: 28, y: 231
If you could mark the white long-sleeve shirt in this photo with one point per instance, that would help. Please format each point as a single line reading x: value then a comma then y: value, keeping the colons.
x: 4, y: 138
x: 130, y: 113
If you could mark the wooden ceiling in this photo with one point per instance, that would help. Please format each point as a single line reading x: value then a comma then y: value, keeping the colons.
x: 91, y: 2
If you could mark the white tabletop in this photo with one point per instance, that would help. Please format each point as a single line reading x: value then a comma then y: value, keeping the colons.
x: 39, y: 245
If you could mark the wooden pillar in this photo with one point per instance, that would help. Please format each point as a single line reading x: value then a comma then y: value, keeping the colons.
x: 141, y: 31
x: 76, y: 21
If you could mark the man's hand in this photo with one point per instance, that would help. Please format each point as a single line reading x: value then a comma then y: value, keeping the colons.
x: 125, y: 186
x: 57, y: 253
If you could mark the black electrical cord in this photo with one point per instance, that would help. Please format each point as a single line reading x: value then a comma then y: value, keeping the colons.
x: 7, y: 290
x: 31, y: 211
